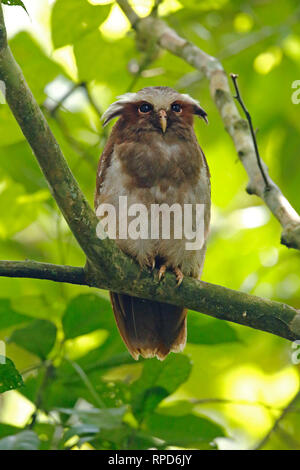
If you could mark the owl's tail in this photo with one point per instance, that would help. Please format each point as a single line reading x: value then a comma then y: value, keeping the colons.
x: 149, y: 328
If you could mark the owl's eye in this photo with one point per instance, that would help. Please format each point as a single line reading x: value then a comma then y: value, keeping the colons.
x: 145, y: 108
x: 176, y: 107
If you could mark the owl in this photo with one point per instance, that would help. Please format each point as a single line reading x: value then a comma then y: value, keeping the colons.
x: 152, y: 158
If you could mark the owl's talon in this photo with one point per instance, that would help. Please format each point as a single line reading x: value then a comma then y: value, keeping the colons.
x: 179, y: 276
x: 162, y: 272
x: 150, y: 264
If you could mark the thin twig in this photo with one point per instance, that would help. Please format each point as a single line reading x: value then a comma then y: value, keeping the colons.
x: 228, y: 401
x: 91, y: 100
x: 238, y: 97
x: 142, y: 66
x: 60, y: 103
x: 154, y: 11
x: 87, y: 383
x: 129, y: 12
x: 97, y: 109
x: 40, y: 393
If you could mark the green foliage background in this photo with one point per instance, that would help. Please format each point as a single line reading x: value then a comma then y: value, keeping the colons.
x: 231, y: 383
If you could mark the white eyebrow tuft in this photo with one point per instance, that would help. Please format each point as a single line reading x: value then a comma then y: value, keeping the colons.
x: 188, y: 99
x: 115, y: 109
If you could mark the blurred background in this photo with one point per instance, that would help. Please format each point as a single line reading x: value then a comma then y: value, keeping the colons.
x: 231, y: 383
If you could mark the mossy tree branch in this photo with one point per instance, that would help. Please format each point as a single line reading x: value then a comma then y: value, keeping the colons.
x: 210, y: 299
x: 35, y: 270
x: 107, y: 267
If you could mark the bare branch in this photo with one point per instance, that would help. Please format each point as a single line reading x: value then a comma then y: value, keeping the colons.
x: 129, y: 12
x: 237, y: 127
x: 249, y: 119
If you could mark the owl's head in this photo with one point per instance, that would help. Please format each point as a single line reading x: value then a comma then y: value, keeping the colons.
x: 158, y: 108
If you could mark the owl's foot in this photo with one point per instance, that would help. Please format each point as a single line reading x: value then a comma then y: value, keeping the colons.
x: 162, y: 272
x: 179, y: 276
x: 150, y: 263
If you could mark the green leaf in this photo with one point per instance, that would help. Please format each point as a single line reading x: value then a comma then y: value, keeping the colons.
x: 95, y: 56
x: 10, y: 378
x: 25, y: 169
x: 15, y: 3
x: 24, y: 208
x: 37, y: 67
x: 9, y: 317
x: 209, y: 331
x: 177, y: 408
x: 8, y: 430
x: 188, y: 430
x: 81, y: 430
x: 45, y: 432
x: 142, y: 440
x: 26, y: 440
x: 86, y: 313
x: 55, y: 394
x: 92, y: 362
x: 157, y: 381
x: 73, y: 19
x: 107, y: 418
x: 150, y: 399
x: 38, y: 337
x: 110, y: 354
x: 10, y: 131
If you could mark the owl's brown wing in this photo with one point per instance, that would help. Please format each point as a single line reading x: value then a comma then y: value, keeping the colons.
x: 103, y: 164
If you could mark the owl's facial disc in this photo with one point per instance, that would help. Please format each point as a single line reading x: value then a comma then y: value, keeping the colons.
x: 163, y: 119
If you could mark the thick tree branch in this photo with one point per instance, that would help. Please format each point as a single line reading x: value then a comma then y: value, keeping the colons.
x: 153, y: 28
x: 107, y: 267
x: 35, y: 270
x: 217, y: 301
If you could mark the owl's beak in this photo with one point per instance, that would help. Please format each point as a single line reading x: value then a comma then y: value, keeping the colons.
x: 163, y: 119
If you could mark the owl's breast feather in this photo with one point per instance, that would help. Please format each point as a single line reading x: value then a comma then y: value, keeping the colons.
x: 159, y: 162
